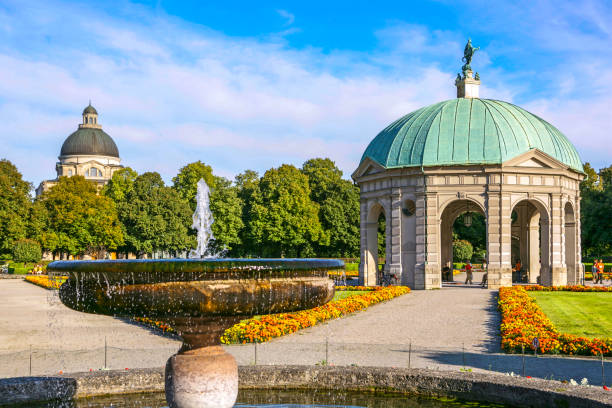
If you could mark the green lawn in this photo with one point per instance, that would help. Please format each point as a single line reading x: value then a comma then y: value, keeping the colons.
x: 579, y: 313
x: 342, y: 294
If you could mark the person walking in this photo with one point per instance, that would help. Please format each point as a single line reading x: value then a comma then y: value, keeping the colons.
x: 468, y: 273
x: 600, y: 271
x: 594, y: 270
x: 485, y: 276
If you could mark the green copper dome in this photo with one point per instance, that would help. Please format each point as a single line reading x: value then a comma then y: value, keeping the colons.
x: 468, y: 131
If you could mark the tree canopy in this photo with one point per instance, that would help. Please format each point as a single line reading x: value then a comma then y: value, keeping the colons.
x: 154, y: 217
x: 338, y: 201
x: 15, y: 205
x: 596, y: 212
x: 72, y: 218
x: 311, y: 211
x: 120, y: 185
x: 226, y: 208
x: 284, y: 219
x: 247, y: 188
x: 186, y: 181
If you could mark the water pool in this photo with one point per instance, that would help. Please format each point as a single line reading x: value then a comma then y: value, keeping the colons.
x: 277, y: 399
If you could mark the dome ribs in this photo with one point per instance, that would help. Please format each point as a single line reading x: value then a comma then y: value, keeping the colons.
x: 418, y: 147
x: 476, y: 152
x: 465, y: 132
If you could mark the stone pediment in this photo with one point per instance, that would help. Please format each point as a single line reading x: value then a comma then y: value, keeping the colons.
x: 535, y: 158
x: 366, y: 168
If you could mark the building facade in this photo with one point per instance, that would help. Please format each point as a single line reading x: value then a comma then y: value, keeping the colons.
x: 471, y: 155
x: 89, y: 152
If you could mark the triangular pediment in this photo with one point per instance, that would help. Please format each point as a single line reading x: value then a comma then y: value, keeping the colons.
x: 366, y: 168
x: 535, y: 158
x: 533, y: 163
x: 92, y: 163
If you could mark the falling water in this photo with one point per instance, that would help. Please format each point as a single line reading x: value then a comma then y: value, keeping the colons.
x: 202, y: 220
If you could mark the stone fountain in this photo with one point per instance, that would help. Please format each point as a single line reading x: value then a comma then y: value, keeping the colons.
x: 200, y: 299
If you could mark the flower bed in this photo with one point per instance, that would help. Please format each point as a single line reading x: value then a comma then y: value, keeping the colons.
x: 263, y: 328
x: 347, y: 273
x: 46, y: 282
x: 569, y: 288
x: 157, y: 324
x: 359, y: 288
x: 522, y: 320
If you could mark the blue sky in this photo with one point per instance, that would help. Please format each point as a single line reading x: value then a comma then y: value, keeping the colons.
x: 256, y: 84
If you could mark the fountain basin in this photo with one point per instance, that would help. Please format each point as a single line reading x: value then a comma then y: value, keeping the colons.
x: 201, y: 299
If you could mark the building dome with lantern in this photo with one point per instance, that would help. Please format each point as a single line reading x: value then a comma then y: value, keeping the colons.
x: 89, y: 151
x: 471, y: 155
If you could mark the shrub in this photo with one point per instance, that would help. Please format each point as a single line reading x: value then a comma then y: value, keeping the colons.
x: 26, y: 250
x: 462, y: 250
x: 480, y: 255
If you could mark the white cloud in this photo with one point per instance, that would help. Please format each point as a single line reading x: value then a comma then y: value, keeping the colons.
x: 170, y: 93
x: 289, y: 18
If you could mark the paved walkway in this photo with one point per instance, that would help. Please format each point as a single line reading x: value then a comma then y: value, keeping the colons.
x: 447, y: 329
x: 64, y: 339
x: 447, y: 318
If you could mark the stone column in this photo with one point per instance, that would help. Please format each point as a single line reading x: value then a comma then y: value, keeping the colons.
x: 570, y: 248
x: 499, y: 246
x: 394, y: 235
x: 433, y: 275
x: 523, y: 222
x: 534, y: 247
x: 446, y: 243
x: 421, y: 242
x: 557, y: 247
x: 577, y: 237
x: 367, y: 265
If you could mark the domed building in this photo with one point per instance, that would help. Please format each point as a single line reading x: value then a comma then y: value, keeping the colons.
x: 88, y: 152
x: 463, y: 156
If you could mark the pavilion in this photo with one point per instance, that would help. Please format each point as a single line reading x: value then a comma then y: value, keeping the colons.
x: 471, y: 155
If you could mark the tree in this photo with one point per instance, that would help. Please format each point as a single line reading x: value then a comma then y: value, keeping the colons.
x: 591, y: 180
x: 476, y: 233
x: 338, y: 201
x: 26, y: 250
x: 226, y: 208
x: 462, y: 250
x: 186, y: 181
x: 595, y: 210
x: 155, y: 217
x: 72, y: 218
x: 247, y: 187
x: 15, y: 205
x: 284, y: 220
x: 120, y: 185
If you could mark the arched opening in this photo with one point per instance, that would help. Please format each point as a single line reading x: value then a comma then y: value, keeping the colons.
x: 571, y: 250
x: 463, y: 237
x: 530, y: 243
x: 376, y: 244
